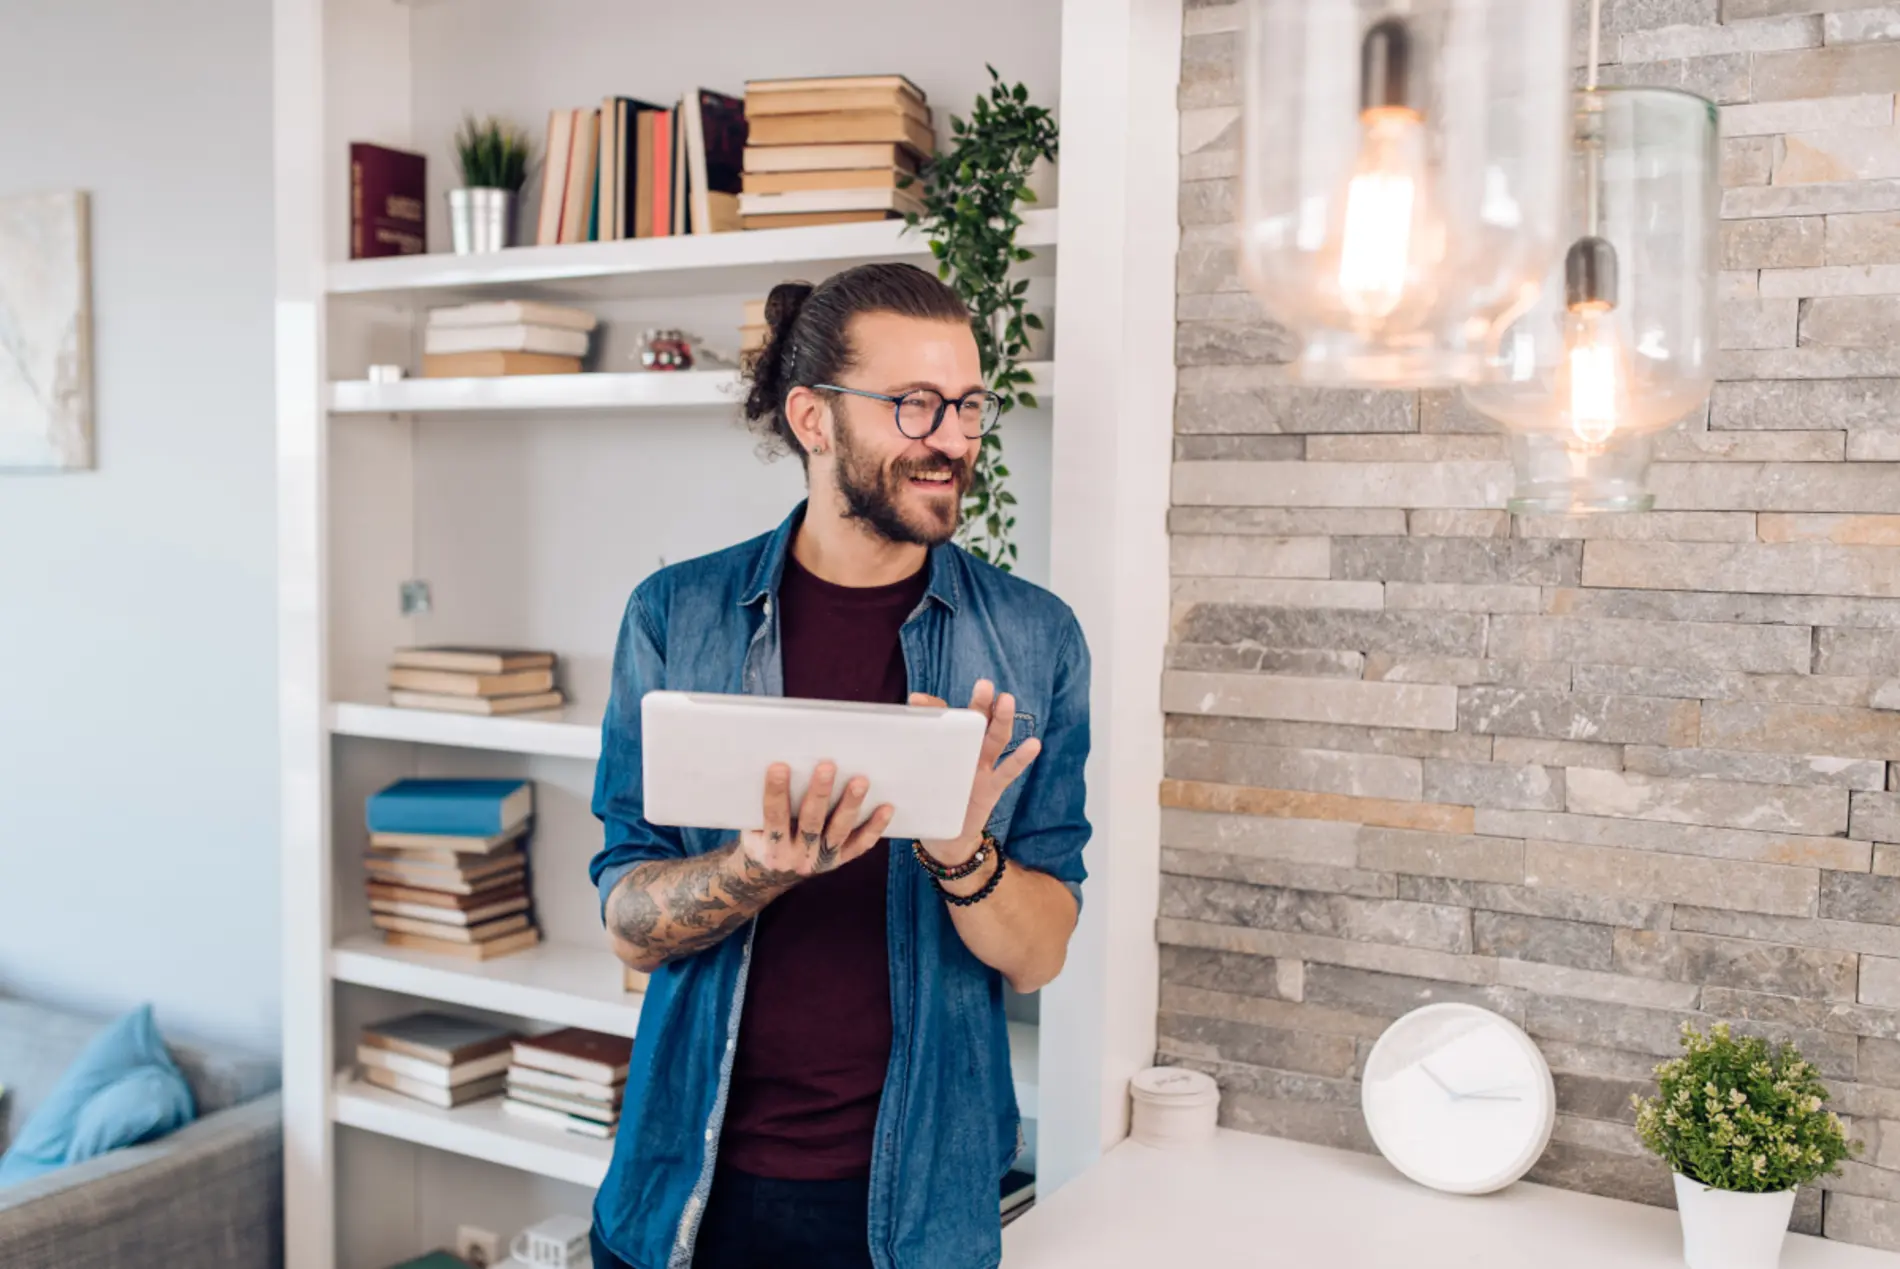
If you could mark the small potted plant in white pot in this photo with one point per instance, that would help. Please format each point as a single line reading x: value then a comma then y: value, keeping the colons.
x: 1741, y: 1124
x: 493, y: 158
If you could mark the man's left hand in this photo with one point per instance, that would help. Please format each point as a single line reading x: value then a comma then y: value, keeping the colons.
x: 992, y: 778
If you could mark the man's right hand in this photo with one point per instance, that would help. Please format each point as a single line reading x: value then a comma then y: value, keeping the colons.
x: 668, y: 908
x: 792, y: 847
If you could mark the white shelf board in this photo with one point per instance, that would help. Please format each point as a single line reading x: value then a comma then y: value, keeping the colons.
x: 480, y: 1130
x: 668, y: 390
x: 748, y: 262
x: 506, y: 394
x: 573, y: 733
x: 573, y: 985
x: 1024, y: 1055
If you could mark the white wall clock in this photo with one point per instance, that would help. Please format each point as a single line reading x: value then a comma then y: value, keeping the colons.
x: 1458, y: 1099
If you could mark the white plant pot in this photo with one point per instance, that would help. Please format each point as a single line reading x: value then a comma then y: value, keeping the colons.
x: 1722, y: 1229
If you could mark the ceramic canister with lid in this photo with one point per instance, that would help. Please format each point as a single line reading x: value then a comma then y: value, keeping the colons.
x: 1174, y: 1106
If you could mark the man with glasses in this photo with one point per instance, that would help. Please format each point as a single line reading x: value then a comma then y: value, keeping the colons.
x: 821, y: 1076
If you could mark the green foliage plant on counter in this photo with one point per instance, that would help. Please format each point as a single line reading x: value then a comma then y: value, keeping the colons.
x: 1741, y: 1115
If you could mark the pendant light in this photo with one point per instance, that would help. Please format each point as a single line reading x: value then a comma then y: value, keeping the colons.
x: 1622, y: 344
x: 1402, y: 177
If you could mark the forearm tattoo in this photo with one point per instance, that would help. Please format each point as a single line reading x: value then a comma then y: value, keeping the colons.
x: 676, y: 907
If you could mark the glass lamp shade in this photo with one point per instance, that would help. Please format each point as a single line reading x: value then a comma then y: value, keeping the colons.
x: 1622, y: 342
x: 1402, y: 178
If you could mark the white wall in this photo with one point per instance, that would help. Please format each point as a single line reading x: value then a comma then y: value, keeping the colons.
x: 138, y: 776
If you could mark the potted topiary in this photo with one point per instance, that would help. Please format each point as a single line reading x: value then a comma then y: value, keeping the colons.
x: 493, y: 158
x: 1741, y: 1124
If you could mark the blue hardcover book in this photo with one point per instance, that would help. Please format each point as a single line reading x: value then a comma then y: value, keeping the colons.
x: 452, y: 808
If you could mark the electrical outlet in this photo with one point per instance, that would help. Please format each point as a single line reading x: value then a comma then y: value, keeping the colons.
x: 480, y: 1247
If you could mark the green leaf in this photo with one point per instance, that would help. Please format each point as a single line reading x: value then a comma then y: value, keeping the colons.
x: 1032, y: 321
x: 1029, y: 401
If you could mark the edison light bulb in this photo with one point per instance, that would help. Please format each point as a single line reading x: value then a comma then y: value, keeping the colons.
x: 1594, y: 383
x: 1382, y: 205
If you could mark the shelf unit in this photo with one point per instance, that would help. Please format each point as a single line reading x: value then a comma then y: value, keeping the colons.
x: 479, y: 1130
x: 567, y: 986
x: 663, y: 267
x: 574, y: 733
x: 673, y: 391
x: 527, y: 537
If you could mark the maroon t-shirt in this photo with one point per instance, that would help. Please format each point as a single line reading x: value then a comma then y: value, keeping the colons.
x: 815, y: 1037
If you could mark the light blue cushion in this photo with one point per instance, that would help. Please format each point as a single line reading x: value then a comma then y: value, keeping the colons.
x: 122, y: 1089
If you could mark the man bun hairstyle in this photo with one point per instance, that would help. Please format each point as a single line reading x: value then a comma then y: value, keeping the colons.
x: 810, y: 339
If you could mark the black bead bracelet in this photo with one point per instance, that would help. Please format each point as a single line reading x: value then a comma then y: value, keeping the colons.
x: 989, y: 887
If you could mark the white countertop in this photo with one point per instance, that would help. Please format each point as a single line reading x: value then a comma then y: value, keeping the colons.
x: 1256, y: 1202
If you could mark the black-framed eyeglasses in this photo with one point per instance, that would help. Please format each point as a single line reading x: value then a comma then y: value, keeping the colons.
x: 920, y: 412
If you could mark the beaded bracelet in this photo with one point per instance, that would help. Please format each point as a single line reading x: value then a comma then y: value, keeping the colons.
x: 957, y: 872
x: 989, y: 887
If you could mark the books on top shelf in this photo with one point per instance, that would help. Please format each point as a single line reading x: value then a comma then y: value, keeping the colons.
x: 832, y: 151
x: 436, y: 1058
x: 569, y: 1079
x: 492, y: 681
x: 447, y: 866
x: 388, y: 189
x: 505, y: 337
x: 636, y: 169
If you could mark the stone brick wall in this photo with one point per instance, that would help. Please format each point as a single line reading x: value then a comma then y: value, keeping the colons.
x: 1599, y: 775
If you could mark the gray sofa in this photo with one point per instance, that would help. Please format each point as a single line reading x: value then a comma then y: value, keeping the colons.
x: 209, y: 1196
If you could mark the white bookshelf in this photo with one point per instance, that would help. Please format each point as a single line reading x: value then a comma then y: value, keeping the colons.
x: 748, y: 263
x: 532, y: 534
x: 573, y: 733
x: 653, y: 391
x: 479, y: 1130
x: 567, y: 985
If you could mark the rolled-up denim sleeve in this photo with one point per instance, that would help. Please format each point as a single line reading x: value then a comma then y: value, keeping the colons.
x: 619, y: 796
x: 1050, y: 826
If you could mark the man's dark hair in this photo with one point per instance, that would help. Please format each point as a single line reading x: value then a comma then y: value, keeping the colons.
x: 810, y: 340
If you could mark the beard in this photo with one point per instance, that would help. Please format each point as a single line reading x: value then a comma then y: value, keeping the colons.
x: 877, y: 496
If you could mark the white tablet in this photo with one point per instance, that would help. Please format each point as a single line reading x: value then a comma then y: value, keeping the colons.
x: 704, y: 757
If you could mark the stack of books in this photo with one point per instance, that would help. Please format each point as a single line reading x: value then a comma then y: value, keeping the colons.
x: 832, y: 151
x: 570, y: 1079
x: 1018, y: 1193
x: 508, y: 337
x: 436, y: 1058
x: 465, y: 680
x: 633, y: 169
x: 448, y: 866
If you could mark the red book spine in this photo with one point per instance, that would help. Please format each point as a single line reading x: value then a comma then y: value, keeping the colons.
x: 662, y: 173
x: 388, y: 195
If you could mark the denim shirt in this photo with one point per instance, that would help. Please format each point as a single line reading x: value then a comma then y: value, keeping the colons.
x: 947, y: 1127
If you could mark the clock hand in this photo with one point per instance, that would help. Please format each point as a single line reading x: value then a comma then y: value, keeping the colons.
x: 1490, y: 1097
x: 1500, y: 1088
x: 1433, y: 1077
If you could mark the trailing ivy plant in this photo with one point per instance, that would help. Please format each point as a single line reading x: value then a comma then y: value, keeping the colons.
x: 971, y: 193
x: 491, y: 154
